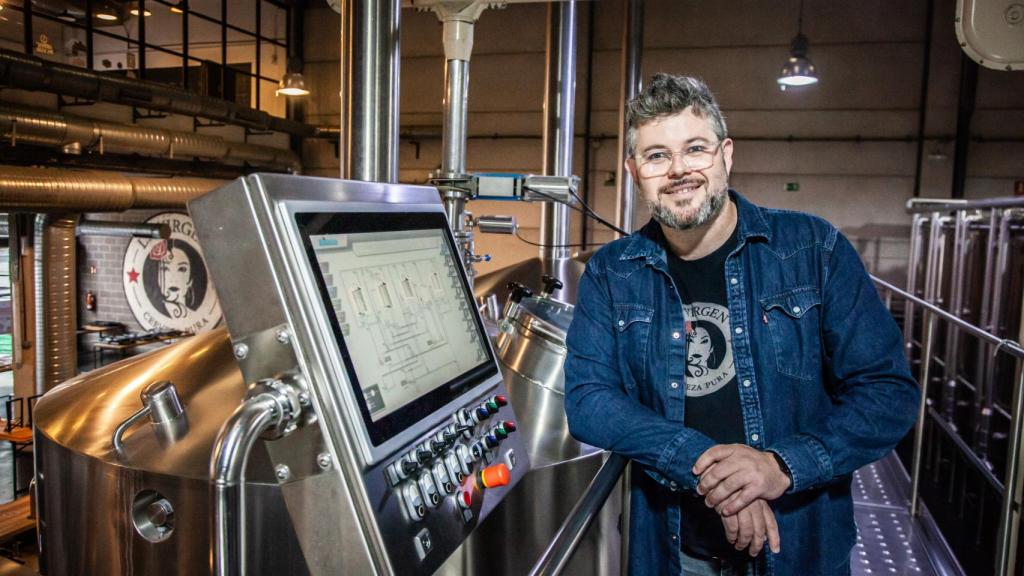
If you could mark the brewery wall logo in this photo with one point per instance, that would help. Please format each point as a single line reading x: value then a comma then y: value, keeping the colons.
x: 166, y: 282
x: 709, y: 362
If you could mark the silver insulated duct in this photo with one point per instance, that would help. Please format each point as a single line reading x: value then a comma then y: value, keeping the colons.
x: 55, y: 300
x: 55, y: 128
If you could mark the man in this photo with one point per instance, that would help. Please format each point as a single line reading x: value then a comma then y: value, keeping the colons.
x: 739, y: 355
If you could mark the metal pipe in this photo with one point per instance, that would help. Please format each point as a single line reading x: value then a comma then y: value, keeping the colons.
x: 58, y: 189
x: 456, y: 94
x: 227, y: 471
x: 632, y: 58
x: 59, y: 129
x: 915, y: 471
x: 952, y: 351
x: 559, y: 105
x: 914, y: 260
x: 56, y: 345
x: 981, y: 368
x: 998, y: 293
x: 1009, y: 516
x: 370, y: 71
x: 31, y: 73
x: 123, y: 229
x: 918, y: 205
x: 558, y: 554
x: 1007, y: 346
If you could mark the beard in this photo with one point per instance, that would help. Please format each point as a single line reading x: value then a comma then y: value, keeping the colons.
x: 712, y: 205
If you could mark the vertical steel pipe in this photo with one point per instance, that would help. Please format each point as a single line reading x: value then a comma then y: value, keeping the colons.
x: 559, y: 107
x: 632, y: 58
x: 914, y: 260
x: 56, y: 342
x: 951, y: 355
x: 922, y: 410
x: 1009, y: 516
x: 456, y: 94
x: 370, y: 71
x: 227, y: 472
x: 981, y: 366
x: 998, y: 294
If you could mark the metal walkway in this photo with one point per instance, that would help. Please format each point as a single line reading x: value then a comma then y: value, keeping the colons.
x: 889, y: 539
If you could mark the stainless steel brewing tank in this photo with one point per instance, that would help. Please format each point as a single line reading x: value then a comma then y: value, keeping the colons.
x: 146, y: 509
x: 531, y: 345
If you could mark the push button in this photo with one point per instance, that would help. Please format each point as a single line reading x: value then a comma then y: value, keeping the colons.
x: 413, y: 501
x: 423, y: 543
x: 493, y: 476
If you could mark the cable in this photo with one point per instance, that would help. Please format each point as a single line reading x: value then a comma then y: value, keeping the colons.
x: 538, y: 244
x: 586, y: 211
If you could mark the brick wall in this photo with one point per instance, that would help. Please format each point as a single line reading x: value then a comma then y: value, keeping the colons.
x: 100, y: 263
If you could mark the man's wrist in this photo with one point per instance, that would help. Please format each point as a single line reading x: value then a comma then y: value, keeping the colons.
x: 782, y: 466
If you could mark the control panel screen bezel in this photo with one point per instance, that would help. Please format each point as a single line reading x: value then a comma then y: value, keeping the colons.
x: 394, y: 423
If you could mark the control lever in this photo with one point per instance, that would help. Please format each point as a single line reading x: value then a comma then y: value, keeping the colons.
x: 423, y: 456
x: 437, y: 447
x: 408, y: 467
x: 550, y: 285
x: 519, y: 291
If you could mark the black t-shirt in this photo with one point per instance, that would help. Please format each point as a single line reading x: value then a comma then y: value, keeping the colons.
x: 712, y: 395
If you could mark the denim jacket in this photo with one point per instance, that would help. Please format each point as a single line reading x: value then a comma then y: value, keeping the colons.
x: 819, y: 362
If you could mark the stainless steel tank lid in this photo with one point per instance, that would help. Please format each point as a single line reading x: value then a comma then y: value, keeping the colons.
x: 545, y: 317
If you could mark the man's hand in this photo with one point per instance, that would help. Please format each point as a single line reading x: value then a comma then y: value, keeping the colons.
x: 748, y: 529
x: 734, y: 475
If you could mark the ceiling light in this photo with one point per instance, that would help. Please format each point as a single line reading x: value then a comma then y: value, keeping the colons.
x: 135, y: 12
x: 798, y: 69
x: 292, y: 84
x: 177, y: 9
x: 107, y: 12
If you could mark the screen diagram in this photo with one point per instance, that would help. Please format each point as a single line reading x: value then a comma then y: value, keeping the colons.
x: 403, y: 312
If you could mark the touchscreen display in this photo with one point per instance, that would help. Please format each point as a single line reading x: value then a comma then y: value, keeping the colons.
x: 402, y: 310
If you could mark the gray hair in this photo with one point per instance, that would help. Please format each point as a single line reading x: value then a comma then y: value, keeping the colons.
x: 668, y: 95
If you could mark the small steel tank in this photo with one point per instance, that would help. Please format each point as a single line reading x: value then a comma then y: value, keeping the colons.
x: 144, y: 508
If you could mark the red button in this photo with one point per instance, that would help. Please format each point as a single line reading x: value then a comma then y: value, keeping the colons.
x: 509, y: 426
x: 501, y: 400
x: 465, y: 499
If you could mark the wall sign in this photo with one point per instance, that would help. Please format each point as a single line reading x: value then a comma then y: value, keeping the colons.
x: 166, y: 282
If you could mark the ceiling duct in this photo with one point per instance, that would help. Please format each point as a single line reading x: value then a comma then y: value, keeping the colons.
x: 31, y: 73
x: 55, y: 128
x: 64, y: 190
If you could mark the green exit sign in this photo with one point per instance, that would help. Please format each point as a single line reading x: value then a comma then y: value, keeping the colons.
x: 792, y: 186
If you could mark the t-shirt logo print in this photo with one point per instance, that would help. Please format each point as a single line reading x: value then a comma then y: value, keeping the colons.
x: 709, y: 362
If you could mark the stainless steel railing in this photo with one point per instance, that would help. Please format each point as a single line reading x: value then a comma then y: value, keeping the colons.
x: 1011, y: 498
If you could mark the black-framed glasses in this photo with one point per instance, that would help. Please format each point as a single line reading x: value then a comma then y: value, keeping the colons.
x: 658, y: 161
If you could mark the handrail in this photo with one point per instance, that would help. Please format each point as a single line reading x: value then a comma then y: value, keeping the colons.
x: 1009, y: 346
x: 1007, y: 539
x: 557, y: 555
x: 919, y: 205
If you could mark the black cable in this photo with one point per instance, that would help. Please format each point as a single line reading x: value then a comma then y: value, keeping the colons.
x: 538, y: 244
x: 589, y: 212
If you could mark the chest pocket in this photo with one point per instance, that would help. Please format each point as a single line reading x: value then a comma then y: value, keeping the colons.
x: 794, y: 321
x: 632, y: 324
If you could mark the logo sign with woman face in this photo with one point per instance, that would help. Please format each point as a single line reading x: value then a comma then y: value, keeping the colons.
x: 165, y: 281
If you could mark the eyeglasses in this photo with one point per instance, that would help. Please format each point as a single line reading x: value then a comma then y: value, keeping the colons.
x: 658, y: 162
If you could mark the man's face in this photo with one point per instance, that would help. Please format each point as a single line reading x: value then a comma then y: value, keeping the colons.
x: 682, y: 198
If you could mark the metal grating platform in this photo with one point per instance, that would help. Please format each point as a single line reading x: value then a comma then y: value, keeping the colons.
x: 889, y: 540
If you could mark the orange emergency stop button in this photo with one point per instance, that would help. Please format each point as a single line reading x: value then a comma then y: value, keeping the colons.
x: 492, y: 476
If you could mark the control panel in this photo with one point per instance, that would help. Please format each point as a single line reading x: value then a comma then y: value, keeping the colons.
x: 443, y: 484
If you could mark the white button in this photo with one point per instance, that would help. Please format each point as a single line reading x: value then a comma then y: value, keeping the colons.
x: 796, y: 309
x: 746, y: 383
x: 733, y: 281
x: 622, y: 322
x: 754, y: 437
x: 739, y: 330
x: 673, y: 485
x: 675, y: 384
x: 675, y: 335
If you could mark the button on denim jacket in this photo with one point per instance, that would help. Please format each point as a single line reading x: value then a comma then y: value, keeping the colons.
x: 819, y: 363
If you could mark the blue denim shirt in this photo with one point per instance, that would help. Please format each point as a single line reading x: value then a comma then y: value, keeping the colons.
x: 819, y: 361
